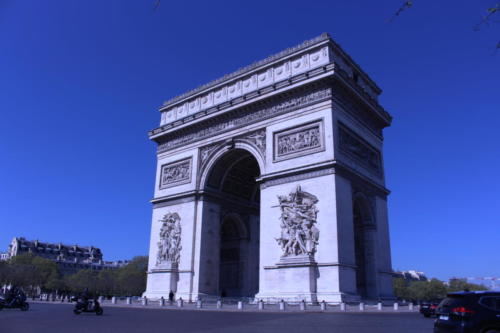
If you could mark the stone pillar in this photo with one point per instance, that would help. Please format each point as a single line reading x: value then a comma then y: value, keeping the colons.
x: 129, y: 300
x: 410, y: 306
x: 302, y: 305
x: 180, y: 303
x: 361, y: 306
x: 342, y: 307
x: 379, y: 306
x: 219, y: 304
x: 240, y: 305
x: 199, y: 304
x: 323, y: 306
x: 161, y: 302
x: 113, y: 300
x: 144, y: 301
x: 282, y: 305
x: 261, y: 305
x: 396, y: 306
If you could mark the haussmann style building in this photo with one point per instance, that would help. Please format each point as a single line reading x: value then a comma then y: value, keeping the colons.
x: 270, y: 184
x: 69, y: 258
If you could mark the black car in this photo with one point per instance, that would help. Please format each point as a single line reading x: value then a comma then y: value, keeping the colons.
x: 429, y: 308
x: 469, y: 312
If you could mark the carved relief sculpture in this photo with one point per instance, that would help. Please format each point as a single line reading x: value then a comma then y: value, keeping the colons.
x: 299, y: 235
x: 176, y: 173
x: 169, y: 245
x: 258, y: 138
x: 356, y: 147
x: 303, y: 140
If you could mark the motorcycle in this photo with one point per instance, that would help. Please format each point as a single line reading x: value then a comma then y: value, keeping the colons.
x: 91, y: 306
x: 17, y: 303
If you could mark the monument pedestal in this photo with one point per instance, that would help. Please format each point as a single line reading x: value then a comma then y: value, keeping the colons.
x: 300, y: 273
x: 162, y: 279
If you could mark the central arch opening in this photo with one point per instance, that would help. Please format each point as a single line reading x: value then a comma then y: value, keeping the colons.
x: 234, y: 196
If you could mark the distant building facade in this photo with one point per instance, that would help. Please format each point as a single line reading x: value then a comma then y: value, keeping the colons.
x: 70, y: 258
x: 4, y: 256
x: 411, y: 276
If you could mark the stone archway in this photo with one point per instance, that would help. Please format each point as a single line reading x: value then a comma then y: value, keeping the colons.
x: 364, y: 247
x: 230, y: 248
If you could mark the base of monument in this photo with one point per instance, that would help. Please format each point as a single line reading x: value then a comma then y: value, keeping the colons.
x: 299, y: 260
x: 161, y: 281
x: 310, y: 298
x: 166, y: 267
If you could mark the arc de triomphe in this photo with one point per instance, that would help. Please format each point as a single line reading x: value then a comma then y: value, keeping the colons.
x: 270, y: 184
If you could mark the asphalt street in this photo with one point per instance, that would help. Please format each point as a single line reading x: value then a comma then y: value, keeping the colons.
x: 43, y: 318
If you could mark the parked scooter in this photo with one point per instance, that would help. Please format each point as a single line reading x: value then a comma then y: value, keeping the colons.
x: 18, y: 302
x: 92, y: 305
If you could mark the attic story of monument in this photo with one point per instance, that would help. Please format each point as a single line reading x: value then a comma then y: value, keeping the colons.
x: 270, y: 184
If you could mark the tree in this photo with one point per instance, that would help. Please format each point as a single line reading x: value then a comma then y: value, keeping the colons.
x: 427, y: 290
x: 456, y: 284
x: 132, y: 277
x: 82, y: 279
x: 400, y: 287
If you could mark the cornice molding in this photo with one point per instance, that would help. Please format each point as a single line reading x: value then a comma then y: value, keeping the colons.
x: 244, y: 70
x: 318, y: 73
x: 242, y: 117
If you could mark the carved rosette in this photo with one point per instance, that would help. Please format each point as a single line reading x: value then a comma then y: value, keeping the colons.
x: 169, y: 245
x: 299, y: 235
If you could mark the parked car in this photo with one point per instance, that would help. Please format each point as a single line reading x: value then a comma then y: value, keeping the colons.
x: 469, y: 312
x: 429, y: 308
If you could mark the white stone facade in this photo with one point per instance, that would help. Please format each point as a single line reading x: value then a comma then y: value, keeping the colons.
x: 275, y: 176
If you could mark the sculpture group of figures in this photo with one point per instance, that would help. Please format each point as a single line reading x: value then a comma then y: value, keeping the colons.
x: 169, y: 246
x: 174, y: 173
x: 299, y: 236
x: 291, y: 143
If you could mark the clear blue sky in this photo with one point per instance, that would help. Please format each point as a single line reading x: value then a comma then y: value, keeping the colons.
x: 80, y: 83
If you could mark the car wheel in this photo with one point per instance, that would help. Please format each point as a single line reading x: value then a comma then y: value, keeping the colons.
x: 25, y: 307
x: 427, y: 315
x: 99, y: 312
x: 77, y: 312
